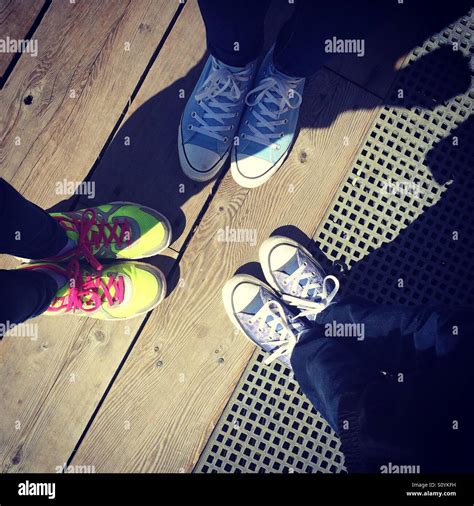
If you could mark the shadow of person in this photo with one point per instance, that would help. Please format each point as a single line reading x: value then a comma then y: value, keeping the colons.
x: 142, y: 162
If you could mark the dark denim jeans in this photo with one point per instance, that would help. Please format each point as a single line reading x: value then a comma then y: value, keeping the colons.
x: 402, y: 394
x: 301, y: 46
x: 29, y: 232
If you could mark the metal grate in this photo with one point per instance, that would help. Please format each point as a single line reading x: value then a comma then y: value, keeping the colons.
x: 270, y: 427
x: 399, y: 209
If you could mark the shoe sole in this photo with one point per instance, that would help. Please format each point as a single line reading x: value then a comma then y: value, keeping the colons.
x: 153, y: 212
x: 189, y: 170
x: 247, y: 182
x: 164, y: 291
x: 264, y: 255
x: 227, y: 291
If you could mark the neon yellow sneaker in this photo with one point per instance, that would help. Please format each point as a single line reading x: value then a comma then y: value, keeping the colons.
x: 119, y: 292
x: 119, y: 230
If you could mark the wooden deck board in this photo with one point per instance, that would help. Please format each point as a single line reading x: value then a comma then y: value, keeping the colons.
x: 16, y: 19
x: 163, y: 406
x: 142, y: 162
x: 51, y: 386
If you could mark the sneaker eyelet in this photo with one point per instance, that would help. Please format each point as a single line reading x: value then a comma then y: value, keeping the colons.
x: 246, y: 121
x: 193, y: 114
x: 285, y: 121
x: 243, y: 136
x: 225, y: 139
x: 190, y: 127
x: 281, y: 135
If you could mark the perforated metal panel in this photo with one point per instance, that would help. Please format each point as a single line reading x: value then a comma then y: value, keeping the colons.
x: 269, y: 426
x: 401, y: 227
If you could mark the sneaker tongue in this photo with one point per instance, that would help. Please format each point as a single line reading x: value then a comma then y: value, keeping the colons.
x: 276, y: 72
x: 218, y: 64
x: 230, y: 68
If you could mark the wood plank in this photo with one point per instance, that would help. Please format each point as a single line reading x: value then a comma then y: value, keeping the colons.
x: 162, y: 408
x: 78, y: 86
x: 82, y: 48
x: 16, y: 19
x: 142, y: 160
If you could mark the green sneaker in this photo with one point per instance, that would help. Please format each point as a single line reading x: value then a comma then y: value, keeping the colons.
x: 119, y: 230
x: 119, y: 292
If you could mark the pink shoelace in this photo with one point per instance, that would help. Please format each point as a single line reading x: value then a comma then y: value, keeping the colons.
x: 88, y: 294
x: 90, y: 239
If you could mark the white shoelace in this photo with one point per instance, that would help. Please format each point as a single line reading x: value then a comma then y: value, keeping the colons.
x: 287, y: 336
x: 274, y: 90
x: 220, y: 85
x: 306, y: 302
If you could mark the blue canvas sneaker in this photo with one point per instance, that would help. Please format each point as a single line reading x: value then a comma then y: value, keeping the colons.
x: 293, y: 271
x: 211, y: 118
x: 256, y: 310
x: 268, y: 125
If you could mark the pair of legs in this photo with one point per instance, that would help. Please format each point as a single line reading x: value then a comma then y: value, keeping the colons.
x: 61, y: 244
x: 394, y: 382
x: 235, y: 31
x: 28, y: 232
x: 249, y: 113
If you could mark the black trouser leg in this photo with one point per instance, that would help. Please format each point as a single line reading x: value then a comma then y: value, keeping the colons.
x: 27, y: 230
x: 24, y: 294
x: 234, y: 29
x: 418, y: 414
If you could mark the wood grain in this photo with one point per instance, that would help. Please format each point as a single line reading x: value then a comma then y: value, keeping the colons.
x: 158, y: 416
x: 51, y: 386
x: 16, y: 19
